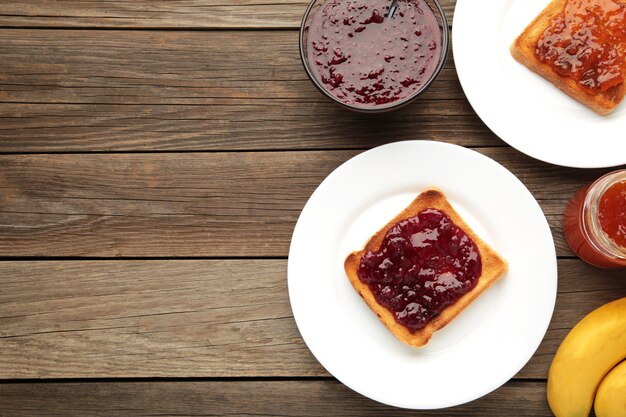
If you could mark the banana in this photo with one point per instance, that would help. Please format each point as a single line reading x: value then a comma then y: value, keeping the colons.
x: 594, y: 346
x: 611, y: 396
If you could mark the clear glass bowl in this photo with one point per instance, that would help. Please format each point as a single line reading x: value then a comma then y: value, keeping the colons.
x: 437, y: 10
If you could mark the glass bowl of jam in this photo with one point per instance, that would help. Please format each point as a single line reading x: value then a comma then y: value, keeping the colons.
x: 594, y: 222
x: 368, y: 61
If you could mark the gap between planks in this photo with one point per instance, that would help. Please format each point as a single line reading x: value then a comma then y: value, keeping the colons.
x: 217, y: 151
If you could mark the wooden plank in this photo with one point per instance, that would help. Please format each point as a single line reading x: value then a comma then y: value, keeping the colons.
x: 200, y: 204
x: 138, y: 318
x: 243, y: 398
x: 205, y: 14
x: 216, y: 318
x: 138, y: 90
x: 162, y: 67
x: 275, y: 124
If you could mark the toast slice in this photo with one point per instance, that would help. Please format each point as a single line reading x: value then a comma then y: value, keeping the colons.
x: 523, y: 50
x: 493, y: 267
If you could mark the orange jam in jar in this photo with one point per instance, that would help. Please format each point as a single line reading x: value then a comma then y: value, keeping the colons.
x: 594, y: 222
x: 586, y: 42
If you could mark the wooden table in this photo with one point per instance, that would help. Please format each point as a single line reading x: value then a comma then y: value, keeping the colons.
x: 155, y: 156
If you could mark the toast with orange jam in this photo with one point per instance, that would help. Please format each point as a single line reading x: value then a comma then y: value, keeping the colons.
x: 579, y: 46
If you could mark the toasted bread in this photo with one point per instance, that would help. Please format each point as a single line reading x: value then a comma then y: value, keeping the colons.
x: 523, y: 50
x: 493, y: 267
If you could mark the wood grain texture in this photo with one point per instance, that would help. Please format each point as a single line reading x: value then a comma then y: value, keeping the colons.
x: 138, y: 318
x: 243, y: 398
x: 161, y: 67
x: 273, y: 125
x: 205, y: 14
x: 134, y: 90
x: 242, y: 204
x: 214, y: 318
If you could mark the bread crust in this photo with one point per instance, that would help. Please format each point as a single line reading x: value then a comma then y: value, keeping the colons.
x: 523, y: 50
x: 493, y: 267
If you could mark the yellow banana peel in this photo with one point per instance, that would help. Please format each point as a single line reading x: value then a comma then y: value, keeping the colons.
x: 590, y: 350
x: 611, y: 396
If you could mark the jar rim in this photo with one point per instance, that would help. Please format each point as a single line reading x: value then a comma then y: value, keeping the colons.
x: 590, y: 219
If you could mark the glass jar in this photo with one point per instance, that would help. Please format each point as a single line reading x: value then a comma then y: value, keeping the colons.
x: 582, y: 228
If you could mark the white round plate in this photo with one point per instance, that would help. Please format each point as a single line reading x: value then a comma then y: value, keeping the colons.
x: 523, y: 109
x: 482, y: 348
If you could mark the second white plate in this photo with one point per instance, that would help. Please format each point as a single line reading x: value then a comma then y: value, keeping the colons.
x: 523, y: 109
x: 484, y: 346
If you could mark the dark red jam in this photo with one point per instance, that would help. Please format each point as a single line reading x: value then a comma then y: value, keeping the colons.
x: 425, y: 263
x: 363, y: 58
x: 586, y: 41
